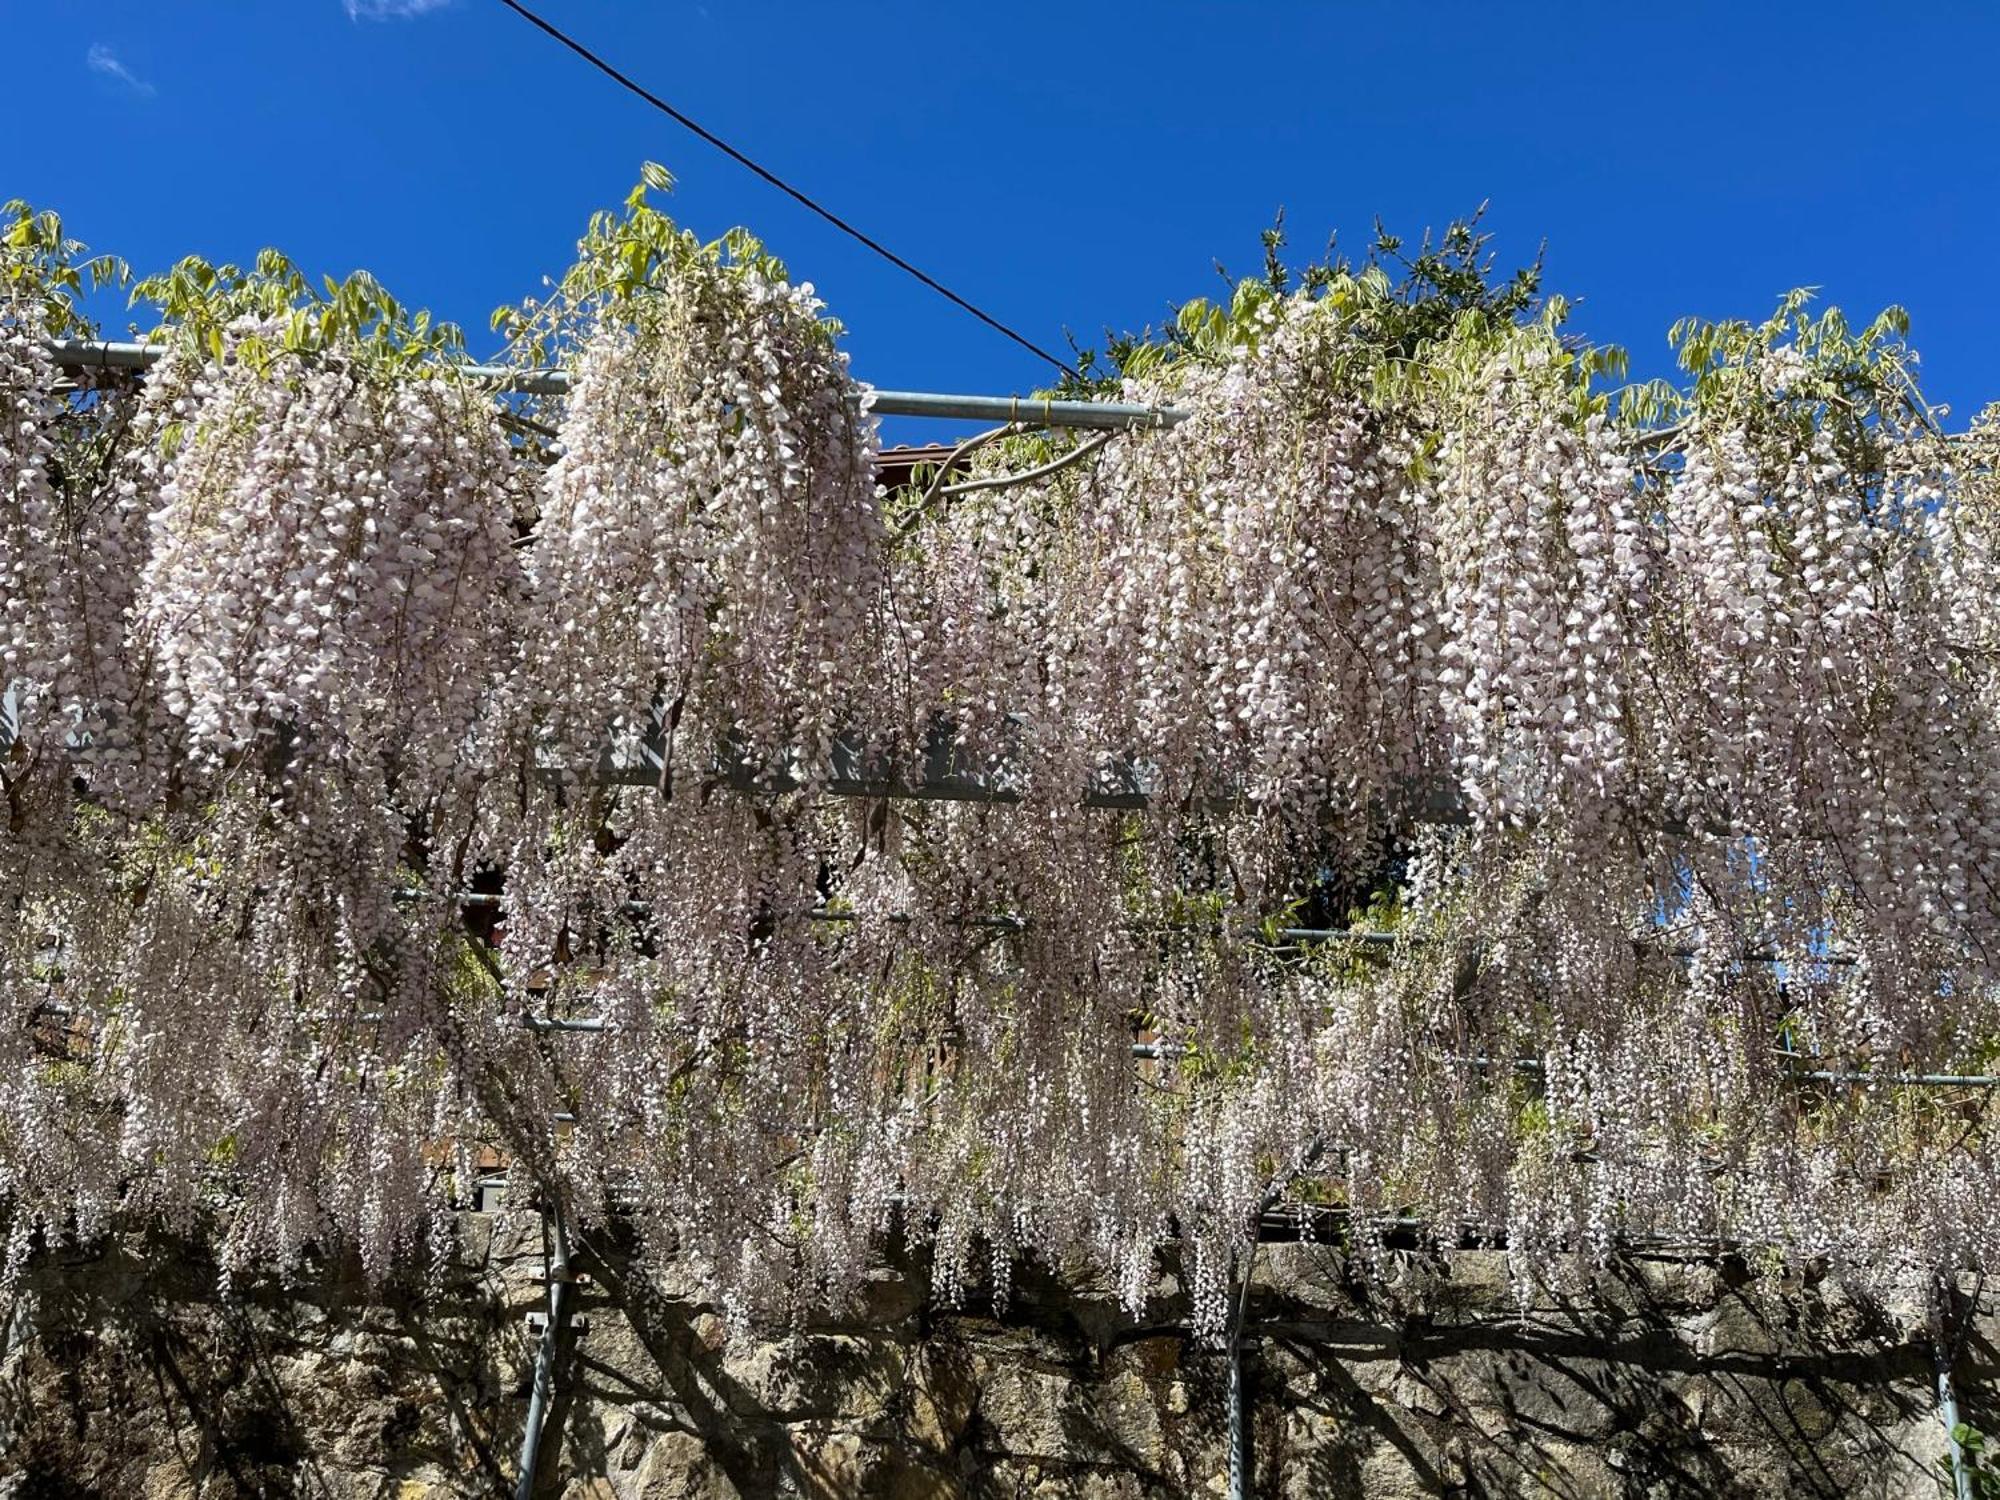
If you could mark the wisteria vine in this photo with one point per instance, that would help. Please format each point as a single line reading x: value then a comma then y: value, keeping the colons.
x: 1635, y: 757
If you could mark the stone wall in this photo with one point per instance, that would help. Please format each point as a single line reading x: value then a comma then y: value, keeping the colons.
x: 123, y: 1373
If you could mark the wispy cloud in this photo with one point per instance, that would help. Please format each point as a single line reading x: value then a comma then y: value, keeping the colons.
x: 391, y: 10
x: 103, y: 60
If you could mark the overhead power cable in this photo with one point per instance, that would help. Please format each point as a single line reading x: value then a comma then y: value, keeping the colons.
x: 633, y: 86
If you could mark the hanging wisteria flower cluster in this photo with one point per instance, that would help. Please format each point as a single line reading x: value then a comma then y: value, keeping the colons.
x: 1413, y: 786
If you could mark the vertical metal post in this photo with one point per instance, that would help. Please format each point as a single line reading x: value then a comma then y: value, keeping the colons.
x: 1239, y: 1430
x: 1944, y: 1340
x: 1961, y: 1477
x: 541, y: 1394
x: 1236, y: 1396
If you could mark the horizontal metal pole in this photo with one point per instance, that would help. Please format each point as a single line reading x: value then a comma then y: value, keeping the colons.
x: 1162, y: 1051
x: 1912, y: 1080
x: 101, y: 354
x: 1860, y: 1076
x: 1368, y: 936
x: 96, y: 354
x: 1167, y: 1051
x: 1032, y: 410
x: 558, y: 1023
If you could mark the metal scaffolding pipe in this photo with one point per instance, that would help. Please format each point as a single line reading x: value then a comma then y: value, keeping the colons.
x: 1034, y: 411
x: 1857, y: 1076
x: 1947, y: 1399
x: 1240, y: 1457
x: 1167, y: 1051
x: 1912, y: 1080
x: 1367, y: 937
x: 541, y: 1394
x: 1943, y: 1331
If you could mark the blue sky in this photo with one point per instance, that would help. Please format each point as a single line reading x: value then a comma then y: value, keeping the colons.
x: 1068, y: 166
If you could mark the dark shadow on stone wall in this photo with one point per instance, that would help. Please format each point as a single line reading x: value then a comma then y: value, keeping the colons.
x: 124, y: 1373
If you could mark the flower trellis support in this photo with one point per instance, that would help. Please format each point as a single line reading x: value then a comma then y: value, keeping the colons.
x: 313, y: 629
